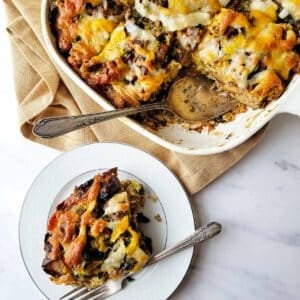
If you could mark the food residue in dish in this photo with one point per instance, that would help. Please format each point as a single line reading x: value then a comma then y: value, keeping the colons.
x: 158, y: 218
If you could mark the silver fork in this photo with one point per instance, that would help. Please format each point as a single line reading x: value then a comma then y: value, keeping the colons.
x: 113, y: 286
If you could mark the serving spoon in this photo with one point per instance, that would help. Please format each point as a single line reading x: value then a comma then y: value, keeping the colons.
x: 190, y: 99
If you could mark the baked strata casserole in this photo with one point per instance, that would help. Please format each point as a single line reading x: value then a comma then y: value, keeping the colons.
x: 94, y: 234
x: 131, y: 51
x: 249, y: 55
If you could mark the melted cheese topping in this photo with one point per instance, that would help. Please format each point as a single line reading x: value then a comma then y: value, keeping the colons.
x: 180, y: 14
x: 95, y: 32
x: 292, y: 6
x: 135, y: 59
x: 140, y: 34
x: 115, y: 258
x: 141, y: 259
x: 115, y: 47
x: 146, y: 83
x: 73, y: 255
x: 267, y: 7
x: 238, y: 55
x: 120, y: 228
x: 118, y: 202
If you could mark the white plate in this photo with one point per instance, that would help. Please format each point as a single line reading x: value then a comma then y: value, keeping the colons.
x: 56, y: 182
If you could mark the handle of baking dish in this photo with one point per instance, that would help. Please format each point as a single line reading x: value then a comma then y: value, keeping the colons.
x: 291, y: 103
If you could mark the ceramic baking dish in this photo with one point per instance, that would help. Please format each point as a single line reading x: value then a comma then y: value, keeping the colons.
x: 224, y: 137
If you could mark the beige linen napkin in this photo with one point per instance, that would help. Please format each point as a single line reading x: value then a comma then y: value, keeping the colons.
x: 42, y: 91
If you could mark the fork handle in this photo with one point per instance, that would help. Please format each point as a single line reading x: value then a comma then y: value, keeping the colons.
x: 200, y: 235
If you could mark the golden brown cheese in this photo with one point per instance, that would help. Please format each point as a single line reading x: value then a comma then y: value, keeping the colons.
x: 128, y: 64
x: 179, y: 14
x: 131, y: 51
x: 248, y: 57
x: 95, y: 31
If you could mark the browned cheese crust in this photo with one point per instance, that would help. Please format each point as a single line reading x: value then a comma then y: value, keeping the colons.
x: 131, y: 51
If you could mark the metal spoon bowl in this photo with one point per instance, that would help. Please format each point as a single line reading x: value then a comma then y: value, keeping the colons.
x: 191, y: 99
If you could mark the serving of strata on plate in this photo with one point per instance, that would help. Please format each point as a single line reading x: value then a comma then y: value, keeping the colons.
x: 131, y: 51
x: 94, y: 235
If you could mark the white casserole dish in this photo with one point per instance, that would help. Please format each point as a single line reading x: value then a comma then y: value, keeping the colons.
x: 174, y: 137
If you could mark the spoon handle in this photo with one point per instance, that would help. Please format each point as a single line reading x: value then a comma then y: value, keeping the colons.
x: 200, y: 235
x: 56, y: 126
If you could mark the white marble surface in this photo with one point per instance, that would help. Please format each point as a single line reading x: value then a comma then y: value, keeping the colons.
x: 257, y: 256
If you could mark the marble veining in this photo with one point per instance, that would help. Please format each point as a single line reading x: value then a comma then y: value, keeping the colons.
x: 286, y: 165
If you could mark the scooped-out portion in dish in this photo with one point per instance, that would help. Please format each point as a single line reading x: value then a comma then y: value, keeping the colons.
x: 131, y: 51
x: 94, y: 235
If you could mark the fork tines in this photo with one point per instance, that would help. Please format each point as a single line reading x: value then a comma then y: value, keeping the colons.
x: 83, y: 293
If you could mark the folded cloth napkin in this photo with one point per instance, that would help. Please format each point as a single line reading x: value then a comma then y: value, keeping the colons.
x: 43, y: 90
